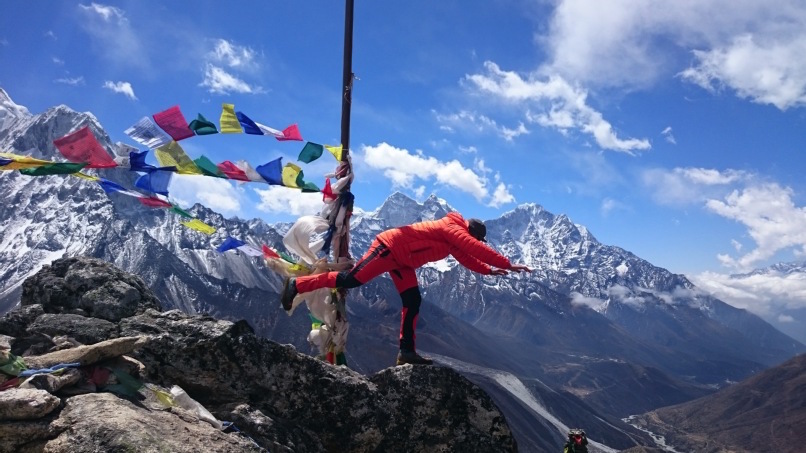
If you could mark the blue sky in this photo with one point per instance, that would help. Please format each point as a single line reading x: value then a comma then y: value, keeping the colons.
x: 672, y: 129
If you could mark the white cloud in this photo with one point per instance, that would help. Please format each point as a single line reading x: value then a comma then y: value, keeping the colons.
x: 124, y: 88
x: 785, y: 318
x: 562, y: 105
x: 579, y: 299
x: 106, y: 12
x: 766, y: 72
x: 631, y: 43
x: 682, y: 186
x: 114, y: 37
x: 232, y: 55
x: 472, y: 121
x: 667, y: 133
x: 609, y: 205
x: 765, y: 294
x: 74, y: 81
x: 217, y: 194
x: 50, y: 34
x: 219, y: 81
x: 57, y: 61
x: 403, y: 168
x: 771, y: 218
x: 277, y: 199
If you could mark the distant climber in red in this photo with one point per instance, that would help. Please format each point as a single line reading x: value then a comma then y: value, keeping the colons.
x: 399, y: 251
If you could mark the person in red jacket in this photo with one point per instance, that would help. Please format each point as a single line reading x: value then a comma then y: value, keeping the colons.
x: 399, y: 251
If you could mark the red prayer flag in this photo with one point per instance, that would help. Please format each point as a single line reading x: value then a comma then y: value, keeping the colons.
x: 82, y: 146
x: 269, y: 253
x: 232, y: 171
x: 290, y: 133
x: 155, y: 202
x: 173, y: 123
x: 327, y: 192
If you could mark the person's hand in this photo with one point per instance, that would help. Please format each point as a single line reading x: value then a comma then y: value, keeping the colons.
x: 519, y: 268
x: 497, y: 271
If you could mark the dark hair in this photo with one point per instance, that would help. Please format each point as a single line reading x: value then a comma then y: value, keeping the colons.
x: 477, y: 229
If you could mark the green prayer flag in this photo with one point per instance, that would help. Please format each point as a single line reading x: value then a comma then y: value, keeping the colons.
x: 202, y: 127
x: 311, y: 152
x: 11, y: 364
x: 208, y: 168
x: 309, y: 187
x: 180, y: 211
x: 55, y: 168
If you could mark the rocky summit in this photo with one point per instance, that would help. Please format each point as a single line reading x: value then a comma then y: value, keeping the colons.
x: 88, y: 362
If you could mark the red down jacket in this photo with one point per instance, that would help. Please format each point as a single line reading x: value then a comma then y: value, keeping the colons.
x: 424, y: 242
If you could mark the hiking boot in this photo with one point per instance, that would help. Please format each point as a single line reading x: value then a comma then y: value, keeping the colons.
x: 289, y: 293
x: 404, y: 357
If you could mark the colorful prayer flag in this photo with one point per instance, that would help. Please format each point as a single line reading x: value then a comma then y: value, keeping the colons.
x: 173, y: 155
x: 248, y: 250
x: 177, y: 210
x: 269, y: 130
x: 111, y: 187
x: 249, y: 126
x: 291, y: 133
x: 148, y: 134
x: 310, y: 152
x: 137, y: 162
x: 86, y: 176
x: 154, y: 202
x: 309, y: 187
x: 272, y: 172
x: 229, y: 121
x: 82, y: 146
x: 55, y: 168
x: 201, y: 126
x: 156, y: 181
x: 19, y: 162
x: 269, y: 253
x: 229, y: 244
x: 335, y: 150
x: 208, y: 168
x: 173, y: 123
x: 4, y: 161
x: 251, y: 173
x: 290, y: 174
x: 232, y: 172
x: 198, y: 225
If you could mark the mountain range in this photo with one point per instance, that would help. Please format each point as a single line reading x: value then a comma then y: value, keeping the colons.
x: 595, y: 334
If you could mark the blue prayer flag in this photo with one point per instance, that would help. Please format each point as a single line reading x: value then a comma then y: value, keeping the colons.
x: 272, y: 172
x: 248, y: 125
x: 229, y: 244
x: 156, y: 181
x: 4, y: 161
x: 110, y: 187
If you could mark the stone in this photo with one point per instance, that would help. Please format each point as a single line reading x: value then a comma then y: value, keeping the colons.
x: 87, y: 354
x: 26, y: 404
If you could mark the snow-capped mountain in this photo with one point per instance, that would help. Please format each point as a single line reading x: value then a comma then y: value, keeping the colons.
x: 597, y: 327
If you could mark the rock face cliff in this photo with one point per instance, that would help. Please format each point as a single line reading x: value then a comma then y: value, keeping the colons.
x: 87, y: 312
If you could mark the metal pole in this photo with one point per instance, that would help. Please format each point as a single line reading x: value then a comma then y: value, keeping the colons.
x: 347, y: 79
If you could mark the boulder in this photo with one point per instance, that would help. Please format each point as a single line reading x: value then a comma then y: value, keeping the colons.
x: 89, y: 287
x: 52, y: 383
x: 83, y: 329
x: 87, y: 354
x: 26, y: 404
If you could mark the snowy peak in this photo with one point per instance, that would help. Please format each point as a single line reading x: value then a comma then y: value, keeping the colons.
x: 10, y: 111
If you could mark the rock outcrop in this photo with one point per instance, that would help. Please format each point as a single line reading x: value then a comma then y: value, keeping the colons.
x: 270, y: 397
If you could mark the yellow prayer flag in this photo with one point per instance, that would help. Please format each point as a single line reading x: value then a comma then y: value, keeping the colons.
x: 335, y: 150
x: 198, y: 225
x: 22, y: 162
x: 85, y: 176
x: 228, y: 122
x: 172, y: 155
x: 290, y: 174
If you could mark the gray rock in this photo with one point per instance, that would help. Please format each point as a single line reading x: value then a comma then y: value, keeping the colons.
x: 87, y: 354
x: 26, y: 404
x: 52, y: 383
x: 88, y: 286
x: 26, y: 435
x: 105, y: 422
x: 83, y: 329
x: 15, y: 323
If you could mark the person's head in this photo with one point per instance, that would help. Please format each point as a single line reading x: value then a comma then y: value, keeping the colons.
x: 577, y: 436
x: 477, y: 229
